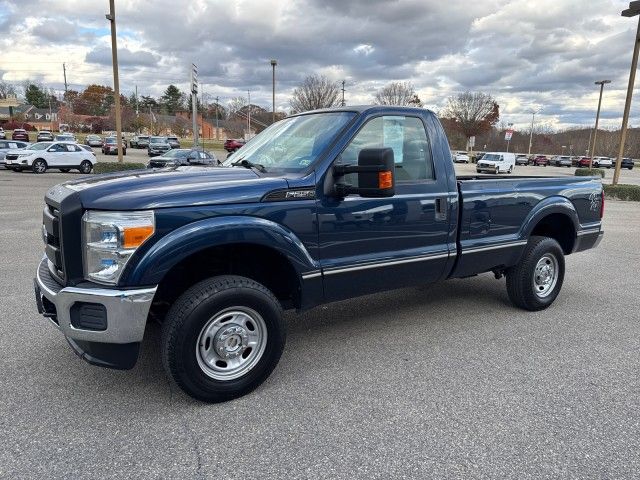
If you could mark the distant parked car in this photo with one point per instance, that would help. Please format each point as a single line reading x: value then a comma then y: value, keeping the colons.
x: 42, y: 156
x: 139, y: 141
x: 460, y: 157
x: 627, y: 163
x: 561, y: 161
x: 233, y: 144
x: 94, y: 141
x: 65, y: 137
x: 7, y: 146
x: 602, y: 162
x: 540, y: 161
x: 20, y: 134
x: 158, y: 146
x: 3, y: 135
x: 110, y: 146
x: 583, y: 162
x: 44, y: 136
x: 179, y: 157
x: 522, y: 160
x: 173, y: 142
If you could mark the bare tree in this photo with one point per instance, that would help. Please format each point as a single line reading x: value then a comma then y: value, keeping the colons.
x: 474, y: 113
x: 236, y: 104
x: 398, y: 93
x: 6, y: 89
x: 316, y: 91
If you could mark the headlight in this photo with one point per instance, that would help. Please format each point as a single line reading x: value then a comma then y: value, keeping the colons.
x: 109, y: 240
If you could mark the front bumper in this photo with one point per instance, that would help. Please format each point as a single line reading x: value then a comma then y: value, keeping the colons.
x: 115, y: 344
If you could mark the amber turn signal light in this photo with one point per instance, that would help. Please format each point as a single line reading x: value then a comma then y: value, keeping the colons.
x: 135, y: 236
x: 385, y: 179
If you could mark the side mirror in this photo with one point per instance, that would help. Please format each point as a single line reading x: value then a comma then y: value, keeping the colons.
x: 376, y: 174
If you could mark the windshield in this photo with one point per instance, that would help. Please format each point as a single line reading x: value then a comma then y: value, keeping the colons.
x: 491, y: 157
x: 38, y: 146
x: 176, y: 154
x: 292, y: 144
x: 158, y: 140
x: 110, y: 140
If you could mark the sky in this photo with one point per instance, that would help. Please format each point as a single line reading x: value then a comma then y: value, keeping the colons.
x: 528, y: 54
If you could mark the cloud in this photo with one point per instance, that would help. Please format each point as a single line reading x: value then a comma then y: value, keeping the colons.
x: 126, y: 57
x: 524, y: 53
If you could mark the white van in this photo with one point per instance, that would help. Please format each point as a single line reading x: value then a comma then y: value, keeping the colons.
x: 497, y: 162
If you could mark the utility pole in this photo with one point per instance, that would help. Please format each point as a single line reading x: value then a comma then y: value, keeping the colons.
x: 632, y: 11
x: 273, y: 90
x: 64, y: 72
x: 194, y: 102
x: 249, y: 113
x: 137, y: 106
x: 595, y: 132
x: 533, y: 116
x: 217, y: 126
x: 111, y: 16
x: 50, y: 116
x: 342, y: 93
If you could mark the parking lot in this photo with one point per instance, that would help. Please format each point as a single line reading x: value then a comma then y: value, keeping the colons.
x: 442, y: 381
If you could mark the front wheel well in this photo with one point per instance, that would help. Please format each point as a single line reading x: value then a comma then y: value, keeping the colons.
x: 559, y: 227
x: 262, y: 264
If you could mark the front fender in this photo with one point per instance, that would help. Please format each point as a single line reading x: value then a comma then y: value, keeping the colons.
x: 152, y: 265
x: 554, y: 204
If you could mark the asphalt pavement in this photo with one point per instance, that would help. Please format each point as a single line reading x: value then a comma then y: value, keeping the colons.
x: 441, y: 381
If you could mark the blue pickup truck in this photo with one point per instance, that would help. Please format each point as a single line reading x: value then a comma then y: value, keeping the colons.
x: 321, y: 206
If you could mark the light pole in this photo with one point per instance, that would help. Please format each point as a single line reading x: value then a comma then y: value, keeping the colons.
x: 273, y: 89
x: 111, y: 16
x: 595, y: 132
x: 533, y: 116
x: 217, y: 126
x: 632, y: 11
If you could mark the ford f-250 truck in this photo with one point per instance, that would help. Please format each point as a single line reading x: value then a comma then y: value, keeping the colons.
x: 319, y: 207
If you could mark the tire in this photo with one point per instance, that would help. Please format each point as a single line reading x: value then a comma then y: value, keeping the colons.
x: 64, y: 170
x: 192, y: 331
x: 510, y: 170
x: 526, y: 283
x: 85, y: 166
x: 39, y: 166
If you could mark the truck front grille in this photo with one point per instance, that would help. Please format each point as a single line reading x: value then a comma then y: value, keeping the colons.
x: 52, y: 245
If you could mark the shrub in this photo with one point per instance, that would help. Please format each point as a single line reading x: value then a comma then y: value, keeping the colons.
x: 589, y: 172
x: 623, y: 192
x: 106, y: 167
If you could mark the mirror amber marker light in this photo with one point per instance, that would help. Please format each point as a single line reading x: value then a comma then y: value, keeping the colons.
x: 385, y: 179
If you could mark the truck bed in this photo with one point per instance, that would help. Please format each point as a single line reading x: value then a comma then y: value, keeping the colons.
x: 497, y: 212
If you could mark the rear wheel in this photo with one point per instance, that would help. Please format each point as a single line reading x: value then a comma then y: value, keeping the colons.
x: 86, y: 166
x: 39, y: 166
x: 222, y: 338
x: 535, y: 282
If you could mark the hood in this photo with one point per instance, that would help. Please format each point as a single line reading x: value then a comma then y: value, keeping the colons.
x: 173, y: 187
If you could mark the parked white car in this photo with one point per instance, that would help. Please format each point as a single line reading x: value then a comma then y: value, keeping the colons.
x: 44, y: 155
x: 602, y: 162
x: 460, y: 157
x: 497, y: 162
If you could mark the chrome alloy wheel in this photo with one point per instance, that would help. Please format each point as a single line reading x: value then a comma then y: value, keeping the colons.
x: 231, y: 343
x: 545, y: 275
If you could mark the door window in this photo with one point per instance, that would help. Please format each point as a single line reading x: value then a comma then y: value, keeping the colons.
x: 407, y: 138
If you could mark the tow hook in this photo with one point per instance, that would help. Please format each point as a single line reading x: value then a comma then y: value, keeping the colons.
x: 498, y: 274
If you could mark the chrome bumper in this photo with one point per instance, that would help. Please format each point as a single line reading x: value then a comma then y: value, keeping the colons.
x: 126, y: 310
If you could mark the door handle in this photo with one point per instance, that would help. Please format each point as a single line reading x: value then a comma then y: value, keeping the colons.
x: 441, y: 208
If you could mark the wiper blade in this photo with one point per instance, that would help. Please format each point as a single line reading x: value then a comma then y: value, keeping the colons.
x: 249, y: 164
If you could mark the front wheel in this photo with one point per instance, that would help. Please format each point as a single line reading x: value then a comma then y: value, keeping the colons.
x: 86, y: 166
x: 222, y: 338
x: 39, y: 166
x: 535, y: 282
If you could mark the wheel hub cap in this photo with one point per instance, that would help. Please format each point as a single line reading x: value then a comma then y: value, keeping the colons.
x: 231, y: 341
x: 545, y: 275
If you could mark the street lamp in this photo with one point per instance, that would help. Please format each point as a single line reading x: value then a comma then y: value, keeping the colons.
x: 273, y: 89
x: 111, y: 16
x: 595, y: 132
x: 632, y: 11
x: 533, y: 116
